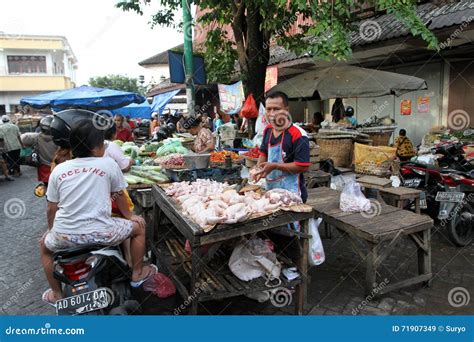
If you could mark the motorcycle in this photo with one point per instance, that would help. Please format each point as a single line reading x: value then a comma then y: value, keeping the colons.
x: 448, y: 196
x: 95, y: 280
x: 456, y: 206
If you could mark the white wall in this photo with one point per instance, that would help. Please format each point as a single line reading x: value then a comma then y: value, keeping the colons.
x: 416, y: 124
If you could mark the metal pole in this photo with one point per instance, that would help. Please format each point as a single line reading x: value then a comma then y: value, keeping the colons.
x: 188, y: 55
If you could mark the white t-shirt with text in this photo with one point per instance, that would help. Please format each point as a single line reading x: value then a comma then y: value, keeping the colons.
x: 82, y: 189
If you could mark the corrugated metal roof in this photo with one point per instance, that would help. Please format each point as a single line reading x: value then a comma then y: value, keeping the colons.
x: 160, y: 58
x: 386, y: 26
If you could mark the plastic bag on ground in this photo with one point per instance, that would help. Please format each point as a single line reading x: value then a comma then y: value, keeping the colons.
x: 160, y: 285
x: 253, y: 259
x: 316, y: 250
x: 353, y: 200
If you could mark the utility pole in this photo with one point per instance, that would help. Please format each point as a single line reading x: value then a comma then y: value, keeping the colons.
x: 188, y: 55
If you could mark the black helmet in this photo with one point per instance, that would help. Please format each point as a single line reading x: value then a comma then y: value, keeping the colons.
x: 65, y: 120
x: 45, y: 123
x: 349, y: 111
x: 171, y: 127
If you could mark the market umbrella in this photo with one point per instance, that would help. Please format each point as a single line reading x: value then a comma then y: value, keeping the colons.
x: 84, y: 97
x: 348, y: 81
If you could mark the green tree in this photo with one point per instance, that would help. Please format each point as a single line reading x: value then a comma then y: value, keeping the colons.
x: 255, y: 24
x: 117, y: 82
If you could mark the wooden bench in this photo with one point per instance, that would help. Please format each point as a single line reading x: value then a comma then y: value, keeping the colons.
x: 317, y: 179
x: 373, y: 237
x: 374, y: 183
x: 399, y: 195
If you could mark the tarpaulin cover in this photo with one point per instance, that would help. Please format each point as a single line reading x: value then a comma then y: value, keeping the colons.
x: 160, y: 101
x: 348, y: 81
x: 135, y: 110
x: 85, y: 97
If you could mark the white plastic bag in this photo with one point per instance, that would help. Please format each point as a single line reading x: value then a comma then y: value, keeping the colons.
x: 253, y: 259
x: 316, y: 250
x: 353, y: 200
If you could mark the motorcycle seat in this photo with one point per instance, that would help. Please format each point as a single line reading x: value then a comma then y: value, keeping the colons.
x: 78, y: 251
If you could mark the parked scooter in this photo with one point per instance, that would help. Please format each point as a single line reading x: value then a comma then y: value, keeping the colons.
x: 448, y: 196
x: 94, y: 280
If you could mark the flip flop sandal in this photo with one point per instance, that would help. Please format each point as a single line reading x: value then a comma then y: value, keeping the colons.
x: 140, y: 282
x: 47, y: 299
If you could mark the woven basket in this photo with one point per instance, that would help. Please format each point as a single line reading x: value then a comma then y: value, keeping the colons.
x: 371, y: 168
x: 380, y: 139
x: 339, y: 150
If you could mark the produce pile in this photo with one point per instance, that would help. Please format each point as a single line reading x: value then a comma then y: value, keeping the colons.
x: 145, y: 175
x: 171, y: 161
x: 219, y: 157
x: 253, y: 153
x: 209, y: 202
x: 171, y: 146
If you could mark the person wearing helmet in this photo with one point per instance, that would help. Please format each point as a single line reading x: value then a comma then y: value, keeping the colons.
x: 44, y: 147
x: 79, y: 206
x: 10, y: 134
x: 350, y: 116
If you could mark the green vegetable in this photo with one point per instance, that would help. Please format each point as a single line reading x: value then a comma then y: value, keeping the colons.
x: 118, y: 142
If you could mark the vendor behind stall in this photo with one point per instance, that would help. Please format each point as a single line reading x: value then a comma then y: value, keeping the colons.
x: 350, y: 116
x: 204, y: 141
x: 284, y: 152
x: 123, y: 132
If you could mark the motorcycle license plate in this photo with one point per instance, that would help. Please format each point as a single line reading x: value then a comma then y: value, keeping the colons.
x: 412, y: 183
x: 84, y: 302
x: 443, y: 196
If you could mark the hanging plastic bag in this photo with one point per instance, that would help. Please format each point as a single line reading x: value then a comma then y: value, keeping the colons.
x: 316, y: 250
x: 160, y: 285
x: 254, y: 259
x: 249, y: 109
x: 353, y: 200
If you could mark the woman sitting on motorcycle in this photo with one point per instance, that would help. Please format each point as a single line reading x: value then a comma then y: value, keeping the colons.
x: 79, y: 207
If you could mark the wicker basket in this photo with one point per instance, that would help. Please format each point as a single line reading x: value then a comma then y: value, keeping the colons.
x: 380, y: 139
x: 371, y: 168
x: 339, y: 150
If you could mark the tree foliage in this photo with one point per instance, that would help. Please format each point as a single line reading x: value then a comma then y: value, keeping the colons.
x: 117, y: 82
x: 324, y: 33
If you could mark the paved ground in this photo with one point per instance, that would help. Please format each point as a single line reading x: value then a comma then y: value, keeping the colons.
x: 336, y: 286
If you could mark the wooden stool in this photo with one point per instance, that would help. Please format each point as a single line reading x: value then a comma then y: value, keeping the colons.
x: 374, y: 183
x: 401, y: 194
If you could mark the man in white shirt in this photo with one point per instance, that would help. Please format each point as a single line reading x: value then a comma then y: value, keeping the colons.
x: 79, y: 207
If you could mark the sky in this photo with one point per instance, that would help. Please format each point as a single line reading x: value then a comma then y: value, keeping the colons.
x: 104, y: 39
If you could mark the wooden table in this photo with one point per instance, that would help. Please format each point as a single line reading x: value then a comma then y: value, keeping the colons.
x: 190, y: 272
x: 374, y: 183
x: 388, y: 226
x: 400, y: 195
x: 317, y: 179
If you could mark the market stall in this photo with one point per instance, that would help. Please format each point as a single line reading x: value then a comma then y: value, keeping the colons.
x: 202, y: 269
x: 374, y: 238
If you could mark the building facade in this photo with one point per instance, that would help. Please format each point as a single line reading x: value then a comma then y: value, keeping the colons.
x: 31, y: 65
